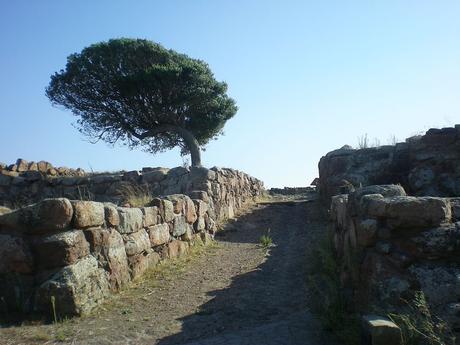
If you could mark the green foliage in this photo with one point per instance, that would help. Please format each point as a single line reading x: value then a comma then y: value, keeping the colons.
x: 326, y: 297
x: 418, y: 326
x: 128, y: 90
x: 266, y: 241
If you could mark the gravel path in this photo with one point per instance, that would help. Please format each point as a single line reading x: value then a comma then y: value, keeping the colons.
x: 235, y: 294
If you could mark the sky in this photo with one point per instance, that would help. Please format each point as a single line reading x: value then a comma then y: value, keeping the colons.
x: 308, y: 76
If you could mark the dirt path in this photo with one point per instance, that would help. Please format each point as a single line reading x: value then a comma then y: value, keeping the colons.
x: 235, y: 294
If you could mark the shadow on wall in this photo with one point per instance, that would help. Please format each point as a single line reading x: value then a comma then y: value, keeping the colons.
x: 267, y: 305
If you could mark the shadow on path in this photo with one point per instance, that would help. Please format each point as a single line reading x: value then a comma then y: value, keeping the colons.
x: 267, y: 305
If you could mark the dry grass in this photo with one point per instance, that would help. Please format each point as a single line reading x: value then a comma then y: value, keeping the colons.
x: 136, y: 196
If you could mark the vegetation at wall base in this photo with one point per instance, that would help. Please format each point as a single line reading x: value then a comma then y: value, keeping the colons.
x: 326, y: 297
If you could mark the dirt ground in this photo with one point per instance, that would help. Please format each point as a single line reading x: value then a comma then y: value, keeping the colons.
x: 233, y: 292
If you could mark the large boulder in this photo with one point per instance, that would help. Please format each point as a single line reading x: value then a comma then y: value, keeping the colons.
x: 49, y: 215
x: 77, y: 289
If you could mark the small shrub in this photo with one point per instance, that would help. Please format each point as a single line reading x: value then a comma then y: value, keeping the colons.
x: 136, y: 196
x: 266, y: 241
x: 326, y: 297
x: 418, y: 326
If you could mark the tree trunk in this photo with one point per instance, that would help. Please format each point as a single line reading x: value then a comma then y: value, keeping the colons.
x: 192, y: 145
x: 189, y: 140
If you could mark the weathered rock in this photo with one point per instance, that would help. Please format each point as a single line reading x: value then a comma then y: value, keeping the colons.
x: 60, y: 249
x: 15, y: 255
x: 22, y: 165
x: 200, y: 224
x: 154, y: 176
x: 43, y: 166
x: 176, y: 249
x: 179, y: 226
x: 409, y: 212
x: 150, y: 215
x: 49, y: 215
x: 201, y: 207
x: 33, y: 175
x: 108, y: 247
x: 33, y: 166
x: 137, y: 242
x: 177, y: 172
x: 380, y: 331
x: 112, y: 218
x: 131, y: 220
x: 77, y: 289
x: 138, y: 264
x: 132, y: 176
x: 159, y: 234
x: 188, y: 235
x: 367, y: 232
x: 165, y: 207
x: 200, y: 195
x: 87, y: 214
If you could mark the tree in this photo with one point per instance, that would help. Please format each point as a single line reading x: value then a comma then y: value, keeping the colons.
x: 137, y: 92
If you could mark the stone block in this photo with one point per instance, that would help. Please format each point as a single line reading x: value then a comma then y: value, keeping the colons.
x: 61, y: 249
x: 165, y: 209
x: 88, y: 214
x: 150, y: 215
x: 15, y: 255
x: 176, y: 249
x: 159, y: 234
x: 154, y: 176
x: 201, y: 207
x: 367, y: 232
x: 77, y: 289
x: 200, y: 224
x: 179, y: 226
x: 112, y: 218
x: 49, y: 215
x: 136, y: 242
x: 131, y: 220
x: 380, y: 331
x: 108, y: 247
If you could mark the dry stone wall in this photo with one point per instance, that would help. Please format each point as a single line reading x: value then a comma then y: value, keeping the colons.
x: 78, y: 252
x: 390, y: 245
x: 227, y: 189
x: 424, y: 165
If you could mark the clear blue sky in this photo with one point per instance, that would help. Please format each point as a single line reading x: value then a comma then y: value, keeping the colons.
x: 308, y: 76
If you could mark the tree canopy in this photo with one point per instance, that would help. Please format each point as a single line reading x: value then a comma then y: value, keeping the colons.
x: 137, y: 92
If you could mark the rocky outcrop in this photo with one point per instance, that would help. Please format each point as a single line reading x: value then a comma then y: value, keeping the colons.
x: 76, y: 253
x: 390, y: 245
x: 427, y: 165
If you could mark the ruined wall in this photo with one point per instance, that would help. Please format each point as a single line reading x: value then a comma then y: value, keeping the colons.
x: 79, y: 252
x: 390, y: 245
x: 227, y: 188
x: 423, y: 165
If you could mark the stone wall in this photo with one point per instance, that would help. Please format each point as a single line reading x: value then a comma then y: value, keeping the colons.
x: 390, y: 245
x: 227, y: 188
x: 424, y: 165
x: 292, y: 190
x: 78, y: 252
